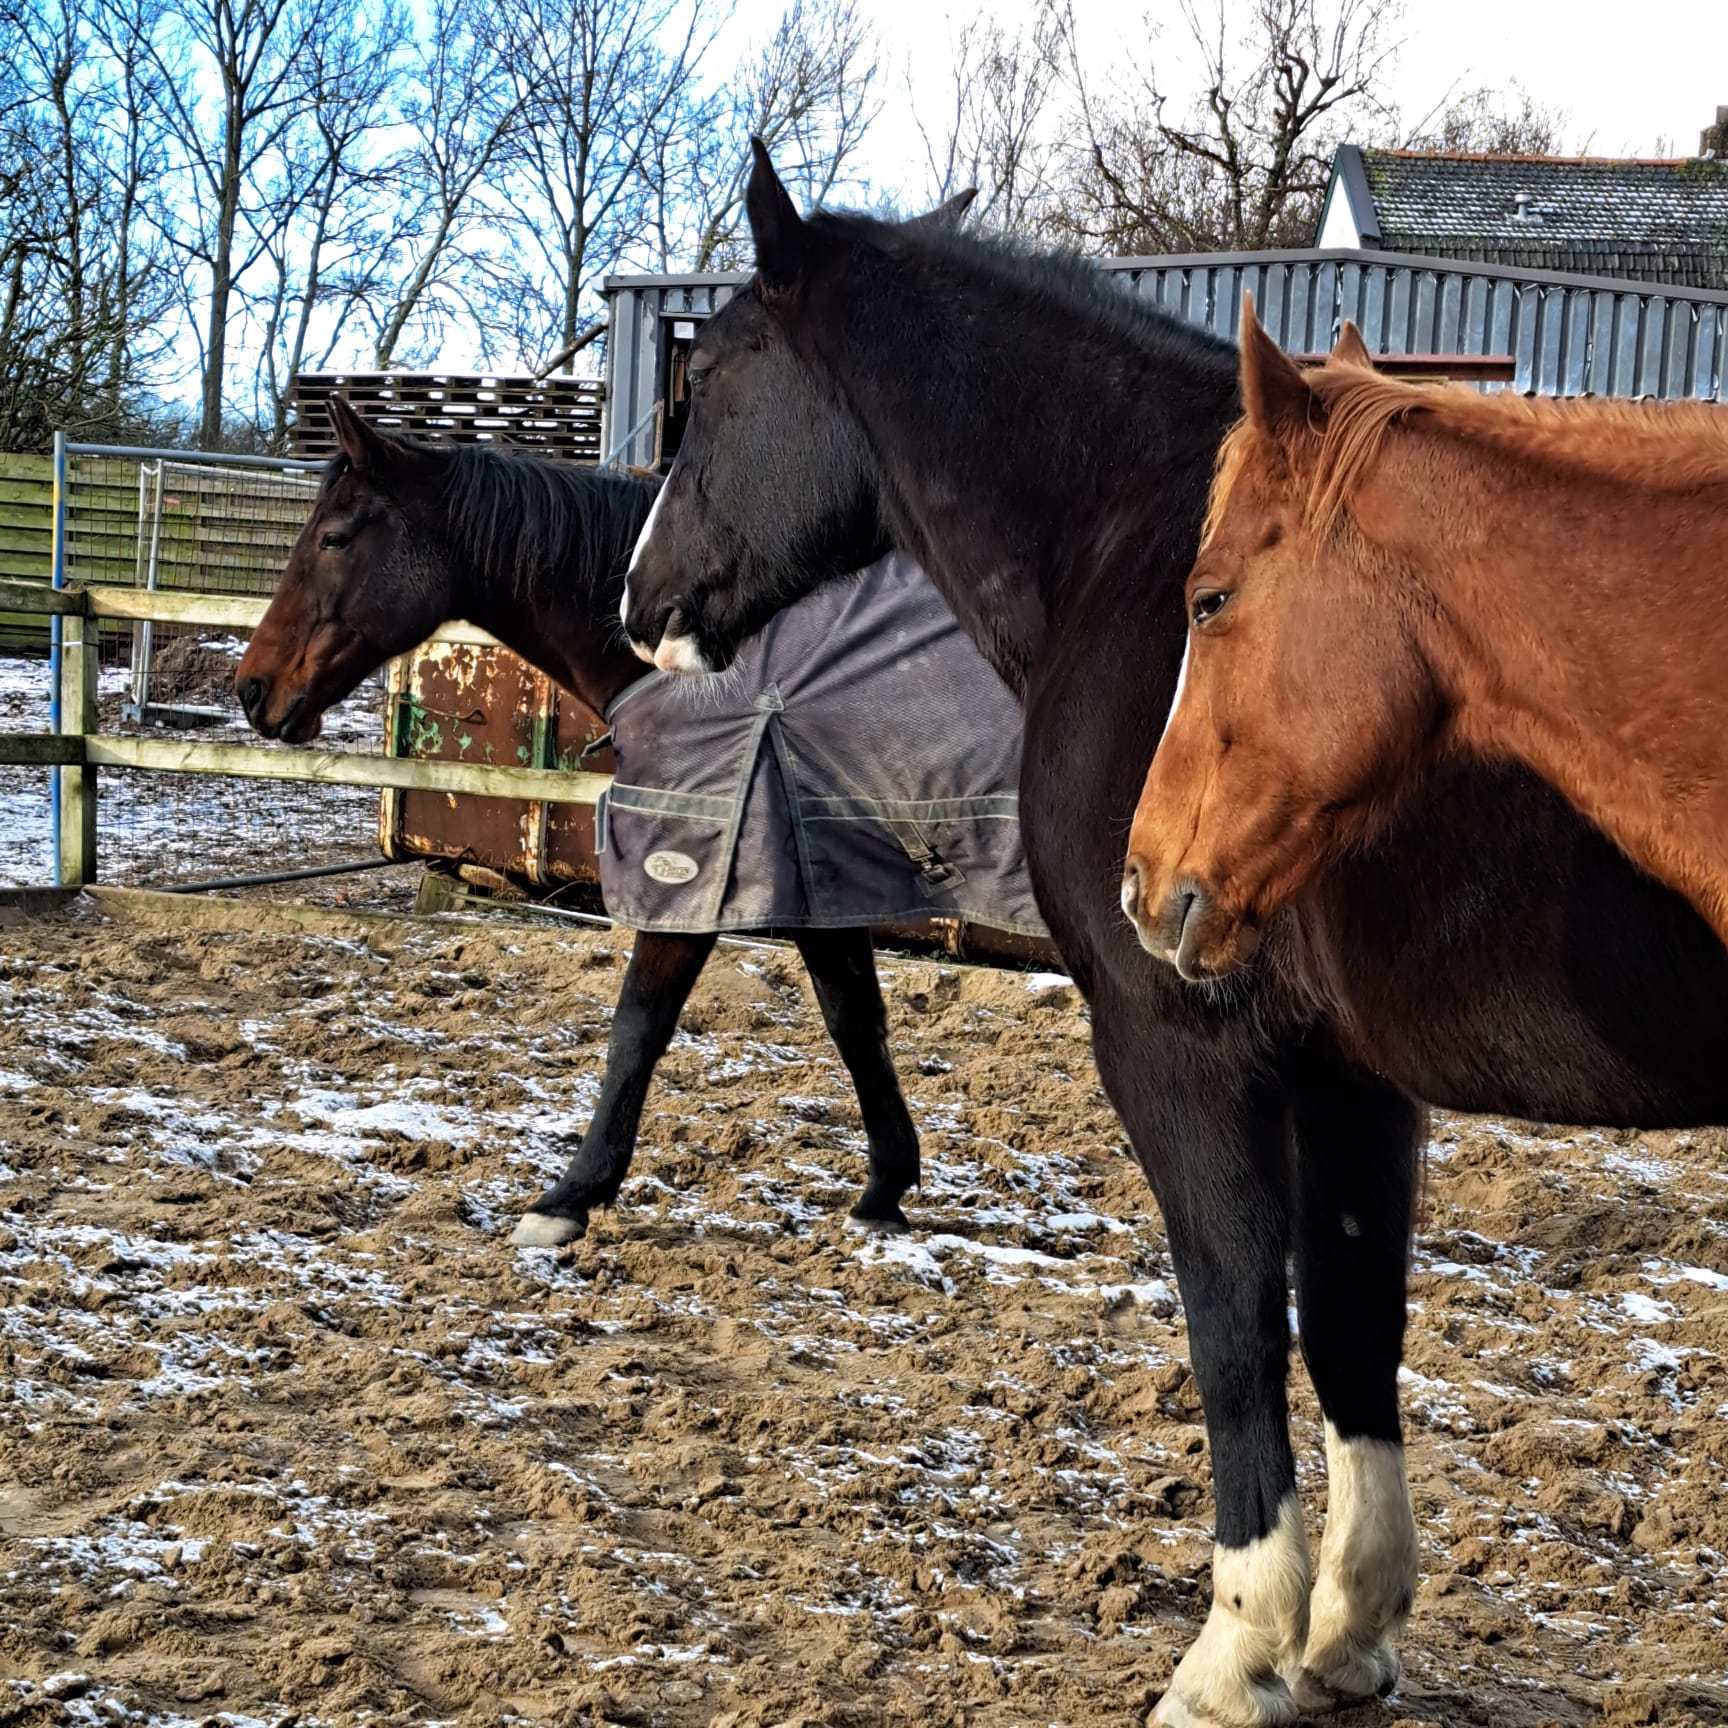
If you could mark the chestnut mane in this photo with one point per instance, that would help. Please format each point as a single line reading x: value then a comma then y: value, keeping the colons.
x: 1662, y: 446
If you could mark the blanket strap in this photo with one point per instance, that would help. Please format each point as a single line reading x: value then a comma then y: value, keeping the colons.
x: 935, y: 874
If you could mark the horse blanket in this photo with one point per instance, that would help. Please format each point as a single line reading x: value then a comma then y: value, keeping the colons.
x: 858, y: 764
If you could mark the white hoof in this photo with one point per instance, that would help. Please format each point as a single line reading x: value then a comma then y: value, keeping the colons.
x: 876, y: 1226
x: 1267, y: 1705
x: 1367, y: 1577
x: 542, y: 1230
x: 1233, y: 1674
x: 1345, y: 1678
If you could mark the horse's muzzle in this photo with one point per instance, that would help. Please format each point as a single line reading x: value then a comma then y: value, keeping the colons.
x: 298, y: 723
x: 1188, y: 931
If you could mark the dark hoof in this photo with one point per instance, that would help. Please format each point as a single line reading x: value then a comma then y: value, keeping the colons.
x: 548, y: 1230
x: 1313, y: 1696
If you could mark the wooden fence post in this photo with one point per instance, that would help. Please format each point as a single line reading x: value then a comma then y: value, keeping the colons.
x: 76, y: 840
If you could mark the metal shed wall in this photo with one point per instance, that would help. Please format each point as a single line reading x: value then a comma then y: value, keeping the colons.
x: 1570, y: 335
x: 638, y: 308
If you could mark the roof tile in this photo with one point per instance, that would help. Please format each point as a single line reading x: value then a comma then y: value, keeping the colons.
x: 1662, y: 221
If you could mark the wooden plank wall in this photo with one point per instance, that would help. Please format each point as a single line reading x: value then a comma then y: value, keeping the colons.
x: 223, y: 531
x: 26, y: 515
x: 558, y: 417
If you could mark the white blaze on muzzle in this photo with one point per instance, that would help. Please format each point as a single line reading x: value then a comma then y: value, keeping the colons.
x: 636, y: 554
x: 680, y: 654
x: 1181, y: 685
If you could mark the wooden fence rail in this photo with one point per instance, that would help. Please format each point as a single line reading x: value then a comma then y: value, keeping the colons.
x: 79, y: 750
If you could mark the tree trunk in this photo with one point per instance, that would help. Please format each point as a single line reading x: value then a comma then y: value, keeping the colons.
x: 221, y: 289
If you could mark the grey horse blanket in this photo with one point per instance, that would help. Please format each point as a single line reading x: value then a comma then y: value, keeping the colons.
x: 859, y: 764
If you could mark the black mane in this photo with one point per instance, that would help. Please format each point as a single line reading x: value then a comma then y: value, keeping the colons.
x: 562, y: 521
x: 1060, y: 282
x: 528, y: 524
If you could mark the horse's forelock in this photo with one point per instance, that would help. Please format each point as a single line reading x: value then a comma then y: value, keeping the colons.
x: 1360, y: 408
x: 1322, y: 466
x: 1234, y: 454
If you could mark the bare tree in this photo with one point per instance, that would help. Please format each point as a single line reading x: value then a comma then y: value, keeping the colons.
x: 135, y: 152
x: 993, y: 130
x: 234, y: 79
x: 1508, y: 122
x: 78, y: 274
x: 602, y: 83
x: 465, y: 113
x: 809, y: 92
x: 1246, y: 164
x: 323, y: 218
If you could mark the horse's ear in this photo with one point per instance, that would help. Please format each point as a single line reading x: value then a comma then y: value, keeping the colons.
x: 946, y: 217
x: 1275, y: 395
x: 1350, y: 349
x: 366, y: 448
x: 775, y: 224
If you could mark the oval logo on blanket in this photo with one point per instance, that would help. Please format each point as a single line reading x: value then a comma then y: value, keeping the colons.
x: 671, y: 866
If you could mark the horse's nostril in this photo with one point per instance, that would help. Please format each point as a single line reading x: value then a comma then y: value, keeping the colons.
x: 251, y: 693
x: 1133, y: 875
x: 1183, y: 902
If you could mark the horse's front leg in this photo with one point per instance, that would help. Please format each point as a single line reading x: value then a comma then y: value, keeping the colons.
x: 1357, y: 1158
x: 1213, y: 1142
x: 842, y: 967
x: 662, y: 971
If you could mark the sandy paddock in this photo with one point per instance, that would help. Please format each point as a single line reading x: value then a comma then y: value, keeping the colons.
x: 289, y: 1433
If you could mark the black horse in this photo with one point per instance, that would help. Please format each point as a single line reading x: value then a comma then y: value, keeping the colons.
x: 406, y: 537
x: 1042, y: 444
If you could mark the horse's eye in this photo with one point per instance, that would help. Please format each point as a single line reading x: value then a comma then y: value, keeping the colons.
x: 1208, y: 603
x: 334, y: 542
x: 697, y: 377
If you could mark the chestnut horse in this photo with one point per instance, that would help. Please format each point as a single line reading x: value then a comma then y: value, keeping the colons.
x: 1392, y: 574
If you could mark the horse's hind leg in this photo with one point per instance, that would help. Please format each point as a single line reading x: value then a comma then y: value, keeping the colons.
x: 657, y: 983
x: 842, y: 967
x: 1357, y: 1149
x: 1214, y: 1143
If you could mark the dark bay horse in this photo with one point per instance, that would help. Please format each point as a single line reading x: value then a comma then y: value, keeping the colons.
x: 1043, y: 445
x: 1392, y: 574
x: 406, y: 537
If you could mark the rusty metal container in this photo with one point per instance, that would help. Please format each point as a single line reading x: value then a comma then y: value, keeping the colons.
x: 458, y: 702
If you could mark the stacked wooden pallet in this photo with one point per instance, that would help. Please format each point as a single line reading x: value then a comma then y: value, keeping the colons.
x: 558, y: 417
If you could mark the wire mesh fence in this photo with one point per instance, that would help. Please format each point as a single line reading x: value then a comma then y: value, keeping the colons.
x: 160, y: 829
x: 26, y: 822
x: 213, y: 530
x: 155, y: 519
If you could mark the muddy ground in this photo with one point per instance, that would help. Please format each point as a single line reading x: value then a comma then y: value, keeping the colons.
x: 290, y: 1433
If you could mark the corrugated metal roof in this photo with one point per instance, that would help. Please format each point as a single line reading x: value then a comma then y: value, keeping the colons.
x: 1570, y: 335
